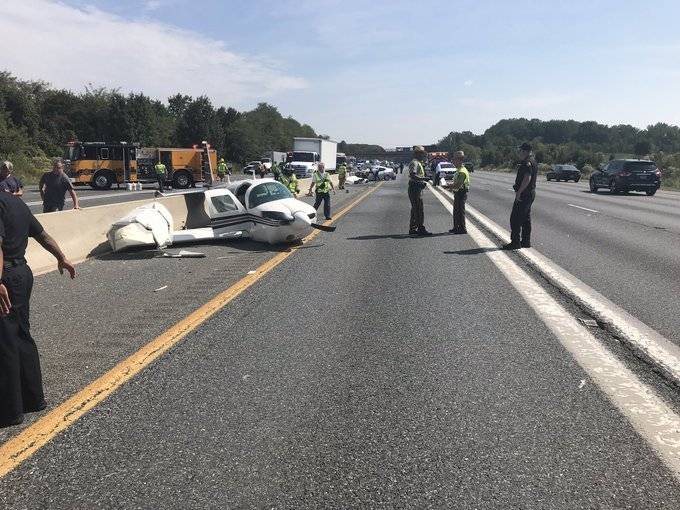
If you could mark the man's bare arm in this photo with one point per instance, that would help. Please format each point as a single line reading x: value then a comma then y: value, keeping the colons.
x: 47, y: 241
x: 74, y: 197
x: 5, y: 302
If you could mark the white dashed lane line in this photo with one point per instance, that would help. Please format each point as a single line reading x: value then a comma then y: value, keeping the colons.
x: 583, y: 208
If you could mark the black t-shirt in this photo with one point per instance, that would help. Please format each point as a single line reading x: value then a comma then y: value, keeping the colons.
x: 528, y: 167
x: 56, y: 186
x: 17, y: 224
x: 11, y: 184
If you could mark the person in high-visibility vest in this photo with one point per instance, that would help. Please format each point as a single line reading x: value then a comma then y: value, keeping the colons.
x: 342, y: 176
x: 322, y: 181
x: 289, y: 180
x: 276, y: 170
x: 222, y: 169
x: 161, y: 173
x: 460, y: 187
x: 416, y: 184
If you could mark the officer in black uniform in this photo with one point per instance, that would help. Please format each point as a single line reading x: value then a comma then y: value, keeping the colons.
x: 525, y: 193
x: 20, y: 377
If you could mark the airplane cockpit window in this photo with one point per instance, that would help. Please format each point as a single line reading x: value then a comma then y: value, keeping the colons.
x: 268, y: 192
x: 223, y: 204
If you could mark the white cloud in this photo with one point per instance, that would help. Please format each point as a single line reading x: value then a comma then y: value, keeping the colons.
x: 468, y: 83
x: 72, y: 47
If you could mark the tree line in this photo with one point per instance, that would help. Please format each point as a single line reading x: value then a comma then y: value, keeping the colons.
x: 36, y: 120
x: 585, y: 144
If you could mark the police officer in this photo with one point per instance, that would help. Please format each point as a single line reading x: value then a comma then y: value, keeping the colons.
x: 222, y: 169
x: 20, y: 376
x: 416, y: 184
x: 525, y: 193
x: 289, y: 180
x: 460, y: 187
x: 342, y: 176
x: 8, y: 182
x: 322, y: 181
x: 161, y: 173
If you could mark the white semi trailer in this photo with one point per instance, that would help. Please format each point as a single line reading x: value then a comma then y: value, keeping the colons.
x: 309, y: 152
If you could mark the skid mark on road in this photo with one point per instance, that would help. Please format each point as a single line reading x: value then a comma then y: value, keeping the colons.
x: 651, y: 417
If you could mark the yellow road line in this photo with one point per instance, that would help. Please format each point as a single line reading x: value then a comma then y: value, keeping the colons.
x: 29, y: 441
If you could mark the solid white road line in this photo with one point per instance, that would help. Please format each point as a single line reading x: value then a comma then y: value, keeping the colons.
x: 584, y: 208
x: 662, y: 354
x: 651, y: 417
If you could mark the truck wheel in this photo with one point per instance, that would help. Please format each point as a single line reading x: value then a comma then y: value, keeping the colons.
x: 650, y: 192
x: 102, y: 180
x: 181, y: 180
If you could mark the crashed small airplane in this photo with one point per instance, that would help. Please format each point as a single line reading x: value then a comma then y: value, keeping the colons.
x: 262, y: 210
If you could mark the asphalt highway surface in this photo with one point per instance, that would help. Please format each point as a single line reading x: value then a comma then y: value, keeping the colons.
x: 627, y: 247
x: 368, y: 369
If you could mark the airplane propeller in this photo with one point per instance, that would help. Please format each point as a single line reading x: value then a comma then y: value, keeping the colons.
x: 323, y: 227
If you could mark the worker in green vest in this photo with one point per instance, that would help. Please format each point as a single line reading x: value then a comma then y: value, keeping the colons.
x: 161, y: 174
x: 276, y: 170
x: 416, y: 184
x: 460, y: 187
x: 289, y: 180
x: 222, y: 169
x: 342, y: 176
x: 322, y: 181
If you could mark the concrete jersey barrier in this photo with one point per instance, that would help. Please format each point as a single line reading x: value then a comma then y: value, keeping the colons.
x: 82, y: 233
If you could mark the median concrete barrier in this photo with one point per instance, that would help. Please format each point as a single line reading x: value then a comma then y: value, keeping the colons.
x: 82, y: 233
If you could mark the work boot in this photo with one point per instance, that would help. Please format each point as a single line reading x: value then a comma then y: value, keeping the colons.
x: 526, y: 243
x: 13, y: 421
x: 423, y: 232
x: 511, y: 246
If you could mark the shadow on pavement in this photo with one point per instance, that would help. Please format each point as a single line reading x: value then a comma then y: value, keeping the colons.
x: 472, y: 251
x: 610, y: 194
x: 395, y: 236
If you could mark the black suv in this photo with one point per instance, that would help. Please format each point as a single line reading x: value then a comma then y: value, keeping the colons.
x: 623, y: 175
x: 564, y: 173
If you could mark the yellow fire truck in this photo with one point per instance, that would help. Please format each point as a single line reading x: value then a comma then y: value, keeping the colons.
x: 102, y: 164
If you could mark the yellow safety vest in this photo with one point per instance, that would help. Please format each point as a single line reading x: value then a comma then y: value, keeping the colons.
x: 160, y: 168
x: 323, y: 185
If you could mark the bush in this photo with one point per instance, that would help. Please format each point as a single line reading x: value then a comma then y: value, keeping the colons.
x: 587, y: 170
x: 670, y: 178
x: 28, y: 168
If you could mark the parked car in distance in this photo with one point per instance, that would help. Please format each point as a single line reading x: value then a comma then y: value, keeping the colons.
x: 469, y: 165
x: 445, y: 170
x: 563, y: 173
x: 623, y: 175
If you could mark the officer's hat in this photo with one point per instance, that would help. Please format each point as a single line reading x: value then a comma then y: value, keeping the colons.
x: 418, y: 148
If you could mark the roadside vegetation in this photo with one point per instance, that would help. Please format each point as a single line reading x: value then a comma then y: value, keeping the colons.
x: 37, y: 120
x: 584, y: 144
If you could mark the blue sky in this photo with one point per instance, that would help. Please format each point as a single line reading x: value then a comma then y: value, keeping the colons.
x: 387, y: 72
